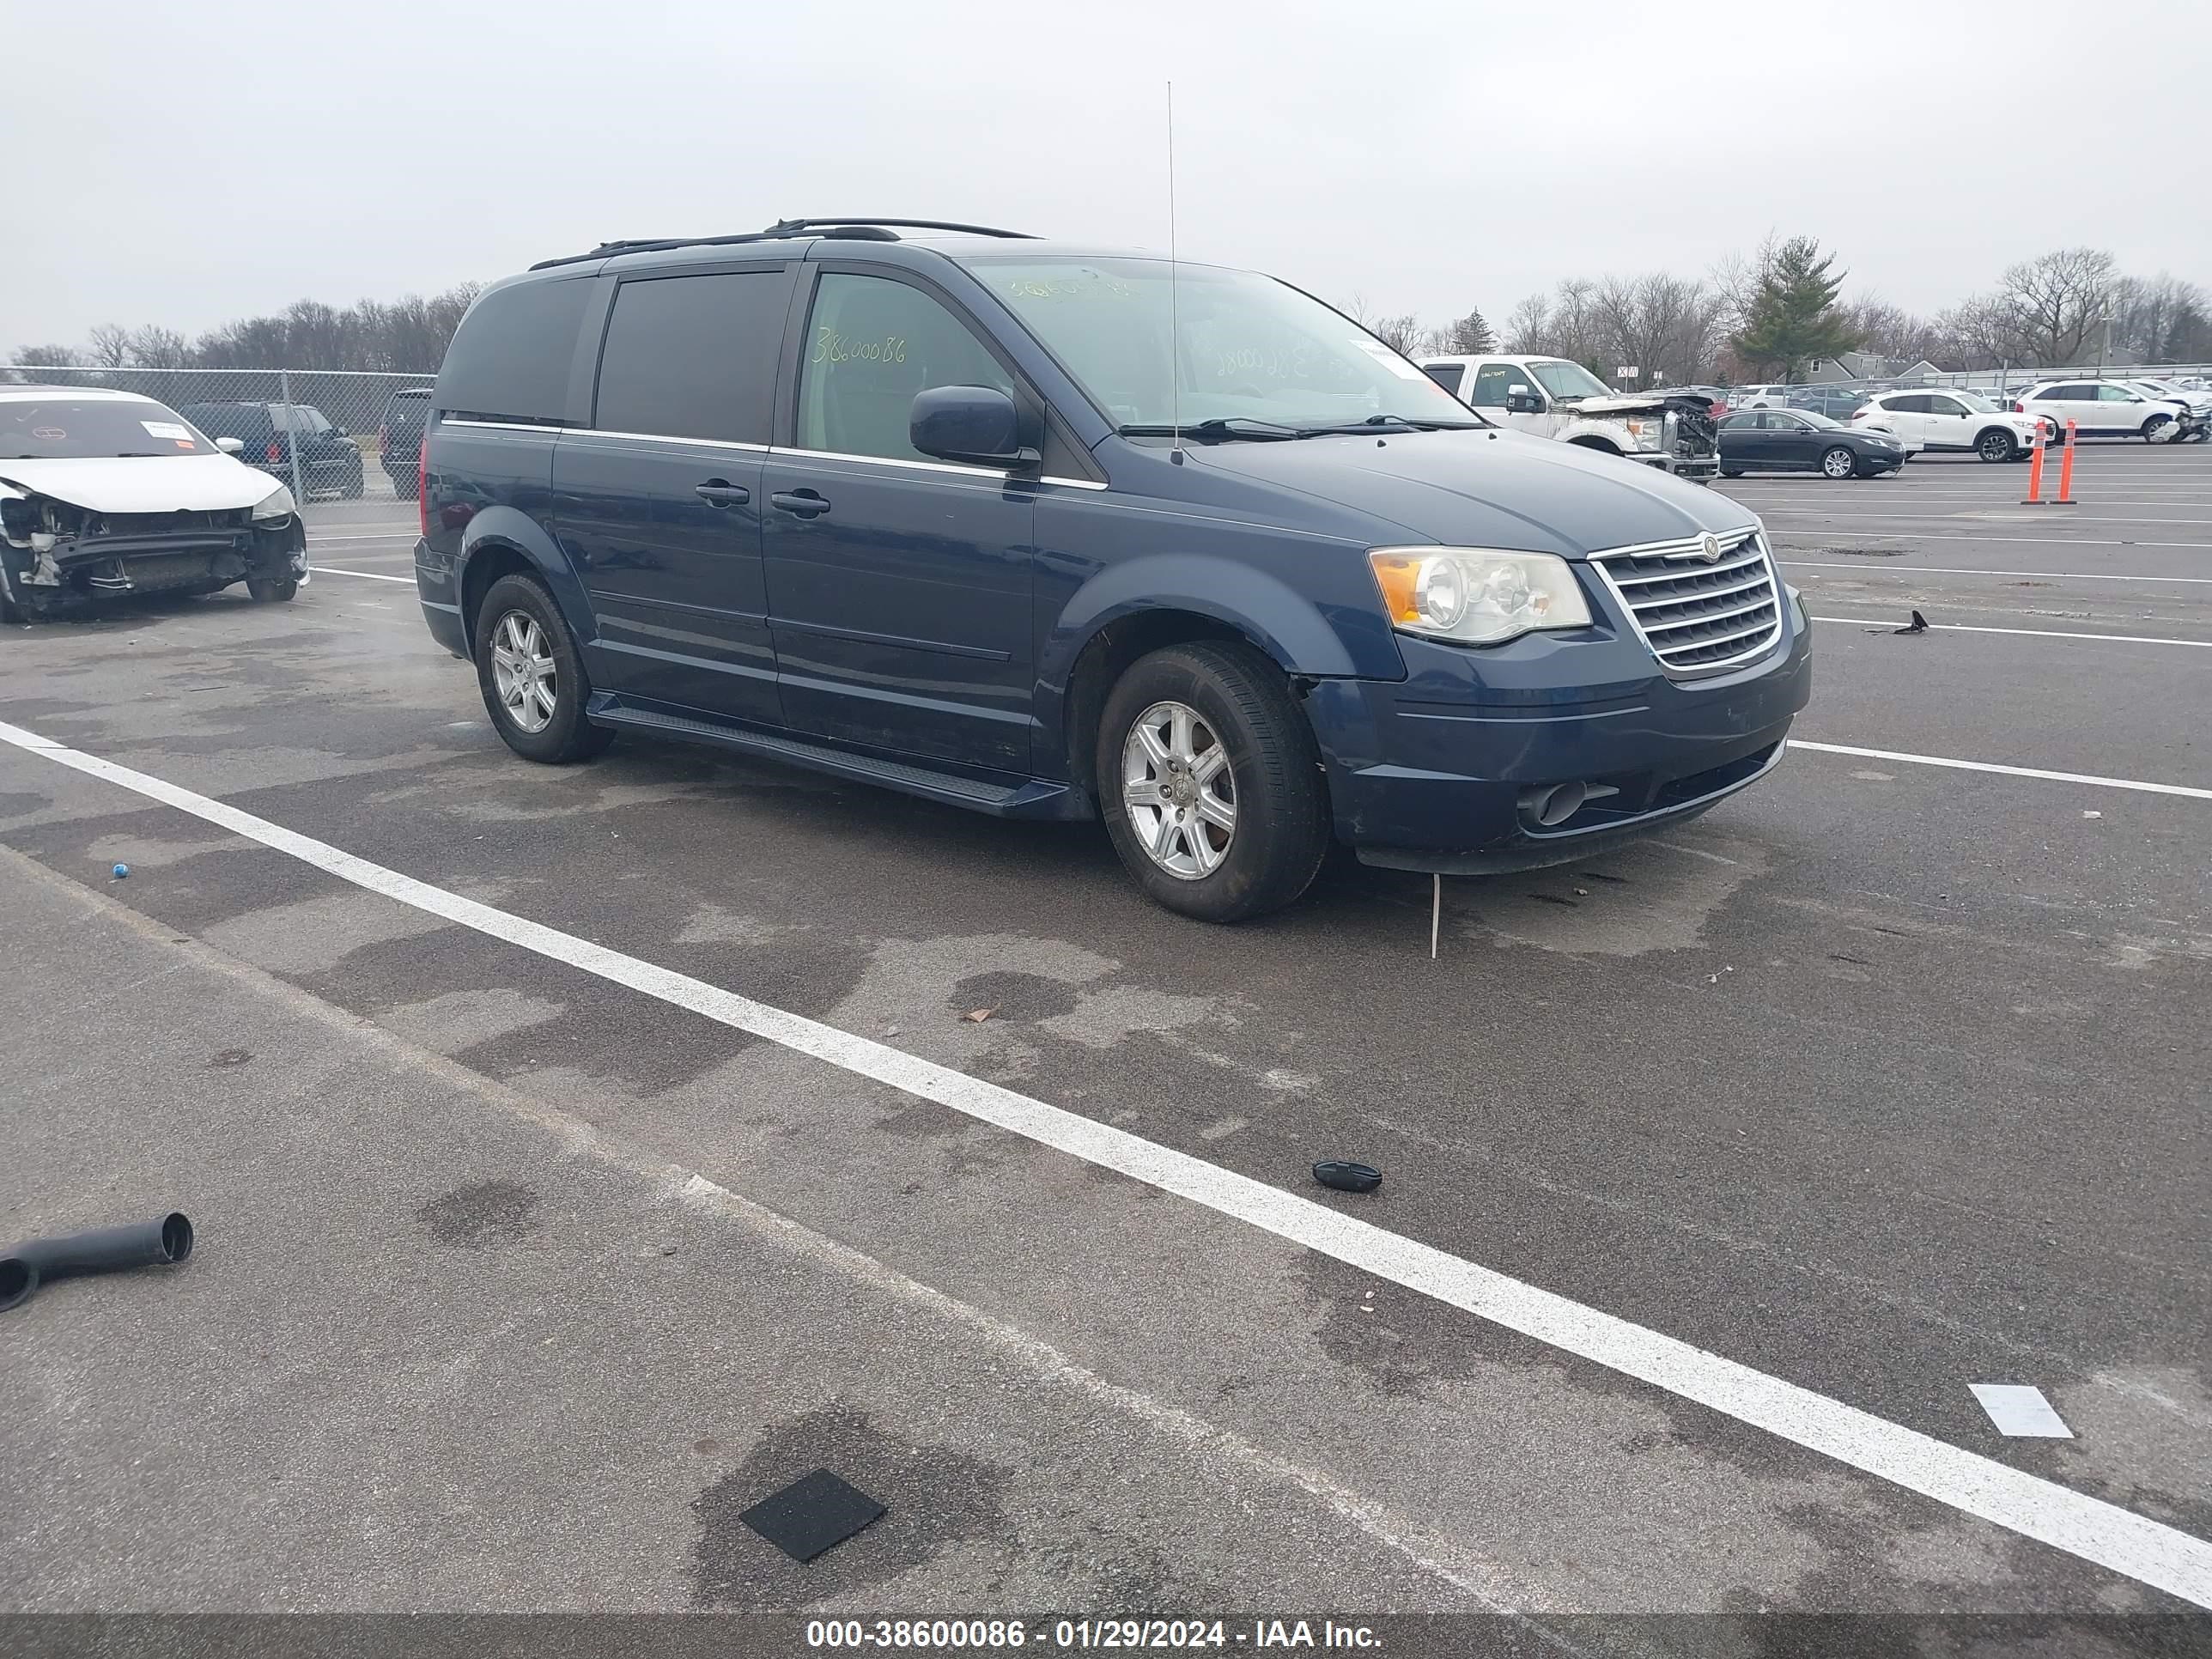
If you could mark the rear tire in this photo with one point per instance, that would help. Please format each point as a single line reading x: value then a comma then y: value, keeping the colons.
x: 1838, y: 463
x: 1239, y: 705
x: 519, y: 610
x: 273, y: 592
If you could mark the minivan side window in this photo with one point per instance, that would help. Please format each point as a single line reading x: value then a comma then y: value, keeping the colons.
x: 871, y: 344
x: 510, y: 357
x: 1494, y: 381
x: 693, y: 357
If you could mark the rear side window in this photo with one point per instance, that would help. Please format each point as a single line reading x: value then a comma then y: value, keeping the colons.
x: 872, y: 345
x: 1917, y: 403
x: 2079, y: 394
x: 511, y: 355
x: 693, y: 357
x: 1446, y: 375
x: 1492, y: 381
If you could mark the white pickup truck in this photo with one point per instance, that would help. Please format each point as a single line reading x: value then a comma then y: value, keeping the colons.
x: 1557, y: 398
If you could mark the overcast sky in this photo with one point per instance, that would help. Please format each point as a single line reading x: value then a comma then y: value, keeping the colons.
x: 184, y: 164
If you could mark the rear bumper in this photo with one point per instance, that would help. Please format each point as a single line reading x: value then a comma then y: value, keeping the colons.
x: 1440, y: 772
x: 439, y: 593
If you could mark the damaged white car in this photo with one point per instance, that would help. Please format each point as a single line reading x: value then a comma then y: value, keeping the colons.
x: 107, y: 493
x: 1672, y: 430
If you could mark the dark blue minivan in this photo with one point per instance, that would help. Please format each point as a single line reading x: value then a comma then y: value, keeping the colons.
x: 1054, y: 532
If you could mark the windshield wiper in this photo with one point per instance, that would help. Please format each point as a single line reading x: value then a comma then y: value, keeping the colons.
x: 1220, y: 429
x: 1392, y: 422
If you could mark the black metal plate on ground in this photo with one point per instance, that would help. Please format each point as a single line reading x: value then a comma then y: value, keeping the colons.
x: 812, y: 1513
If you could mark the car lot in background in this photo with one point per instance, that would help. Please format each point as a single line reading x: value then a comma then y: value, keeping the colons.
x: 399, y: 437
x: 329, y: 461
x: 1838, y: 403
x: 1881, y: 1080
x: 1799, y: 441
x: 2108, y: 409
x: 1955, y: 422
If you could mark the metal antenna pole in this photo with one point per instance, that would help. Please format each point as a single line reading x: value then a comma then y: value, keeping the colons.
x: 1175, y: 298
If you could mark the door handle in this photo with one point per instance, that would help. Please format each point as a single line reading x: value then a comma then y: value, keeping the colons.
x: 720, y: 492
x: 804, y: 503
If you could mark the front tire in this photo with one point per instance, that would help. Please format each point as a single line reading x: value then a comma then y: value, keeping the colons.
x: 1211, y: 783
x: 1838, y: 463
x: 1997, y: 446
x: 533, y: 676
x: 275, y: 592
x: 2158, y: 429
x: 1731, y: 472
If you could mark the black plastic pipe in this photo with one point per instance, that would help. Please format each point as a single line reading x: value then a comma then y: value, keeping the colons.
x: 102, y: 1250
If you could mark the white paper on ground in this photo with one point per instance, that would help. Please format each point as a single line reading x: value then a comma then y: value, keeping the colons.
x: 2018, y: 1409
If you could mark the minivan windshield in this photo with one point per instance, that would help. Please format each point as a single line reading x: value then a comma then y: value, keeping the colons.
x: 66, y: 428
x: 1253, y: 349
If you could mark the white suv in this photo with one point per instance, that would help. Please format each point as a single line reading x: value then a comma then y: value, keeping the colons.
x: 2105, y: 408
x: 1963, y: 421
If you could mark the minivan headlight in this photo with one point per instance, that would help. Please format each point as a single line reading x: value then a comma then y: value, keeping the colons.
x: 1474, y: 595
x: 276, y: 504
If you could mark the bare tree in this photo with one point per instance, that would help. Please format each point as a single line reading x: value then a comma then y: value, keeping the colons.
x: 159, y: 348
x: 108, y: 346
x: 2059, y: 301
x: 1530, y: 325
x: 1890, y: 330
x: 2159, y: 319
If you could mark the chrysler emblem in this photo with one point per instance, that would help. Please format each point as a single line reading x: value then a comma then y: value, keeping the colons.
x: 1710, y: 549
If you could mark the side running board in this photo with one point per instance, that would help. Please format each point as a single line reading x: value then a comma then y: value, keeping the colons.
x: 1033, y: 799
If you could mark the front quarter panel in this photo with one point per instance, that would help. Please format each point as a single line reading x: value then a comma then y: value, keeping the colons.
x: 1306, y: 598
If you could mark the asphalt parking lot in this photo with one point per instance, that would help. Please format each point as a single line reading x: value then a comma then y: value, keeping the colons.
x: 1886, y: 1078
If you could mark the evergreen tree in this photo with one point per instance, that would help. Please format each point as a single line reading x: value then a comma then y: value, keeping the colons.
x: 1793, y: 318
x: 1469, y: 336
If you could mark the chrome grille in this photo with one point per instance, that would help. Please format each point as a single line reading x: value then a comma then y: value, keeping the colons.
x: 1698, y: 616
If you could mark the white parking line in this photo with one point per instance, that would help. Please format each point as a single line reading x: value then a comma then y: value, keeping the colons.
x: 2027, y: 517
x: 365, y: 575
x: 1874, y: 568
x: 2145, y: 1550
x: 2009, y: 541
x: 2031, y: 633
x: 393, y: 536
x: 2187, y: 790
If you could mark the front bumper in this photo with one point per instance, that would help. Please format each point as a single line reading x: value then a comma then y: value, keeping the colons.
x: 1682, y: 466
x: 77, y: 569
x: 1442, y: 771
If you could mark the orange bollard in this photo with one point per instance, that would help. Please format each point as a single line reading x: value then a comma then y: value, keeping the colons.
x: 2065, y: 495
x: 2035, y: 469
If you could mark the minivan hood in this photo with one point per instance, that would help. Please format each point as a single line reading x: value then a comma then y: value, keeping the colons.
x: 1488, y: 489
x: 158, y: 483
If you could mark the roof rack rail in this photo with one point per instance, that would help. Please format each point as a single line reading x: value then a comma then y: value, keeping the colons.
x: 859, y: 229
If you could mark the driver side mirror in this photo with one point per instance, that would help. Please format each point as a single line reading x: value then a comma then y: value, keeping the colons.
x: 980, y: 425
x: 1521, y: 401
x: 230, y: 445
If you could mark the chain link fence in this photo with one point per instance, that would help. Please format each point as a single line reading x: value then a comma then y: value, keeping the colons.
x: 326, y: 432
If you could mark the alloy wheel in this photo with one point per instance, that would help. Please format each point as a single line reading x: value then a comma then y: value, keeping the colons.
x: 1177, y: 790
x: 523, y: 671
